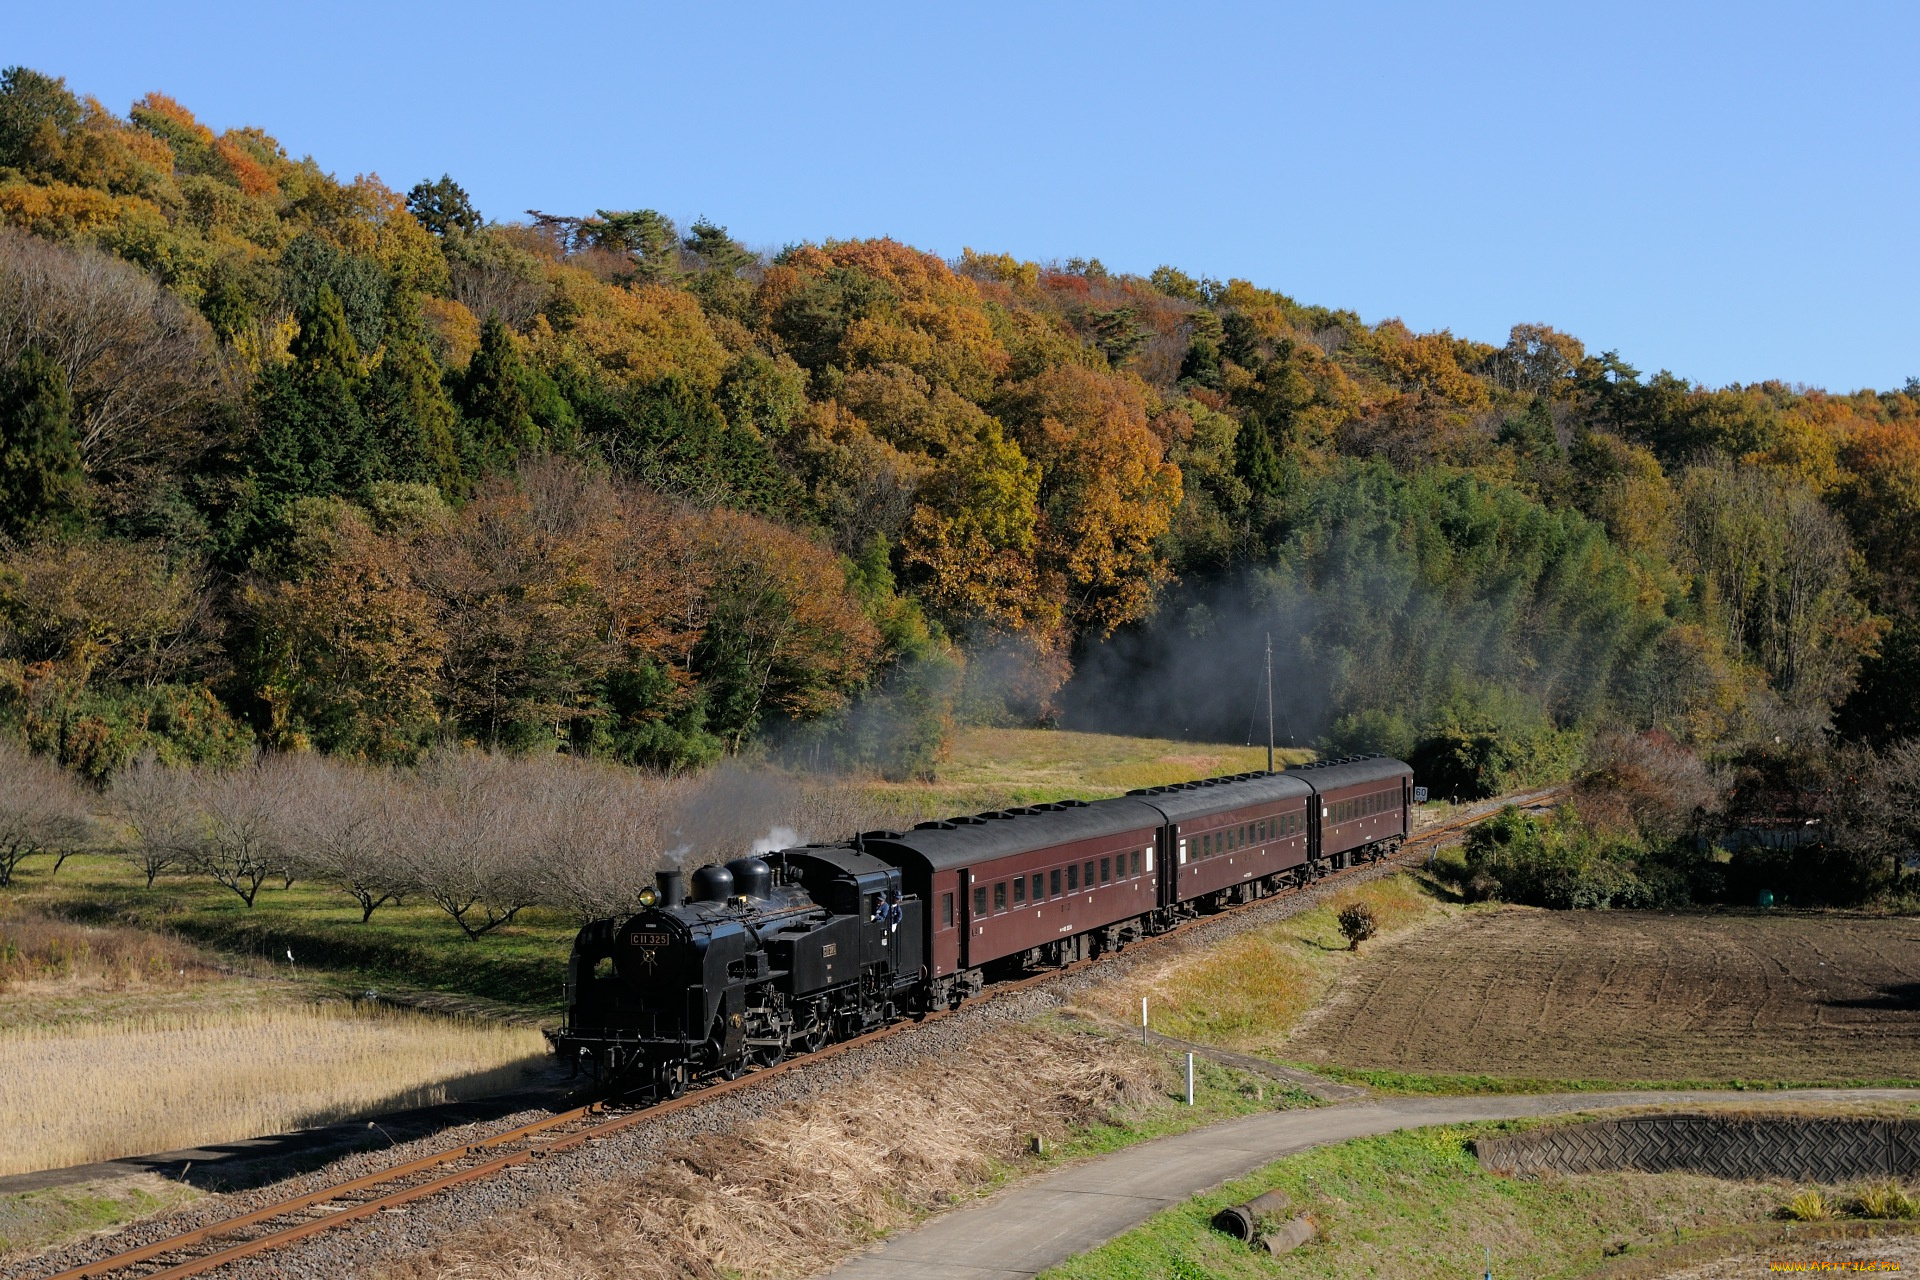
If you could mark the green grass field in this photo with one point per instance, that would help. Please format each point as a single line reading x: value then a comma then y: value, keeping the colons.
x: 413, y: 945
x: 1416, y: 1205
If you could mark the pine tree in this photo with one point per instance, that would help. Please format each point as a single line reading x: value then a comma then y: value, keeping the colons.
x: 42, y: 482
x: 414, y: 422
x: 494, y: 397
x: 1259, y: 461
x: 314, y: 438
x: 325, y: 346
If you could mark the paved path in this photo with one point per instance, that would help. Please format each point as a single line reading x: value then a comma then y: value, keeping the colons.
x: 1030, y: 1227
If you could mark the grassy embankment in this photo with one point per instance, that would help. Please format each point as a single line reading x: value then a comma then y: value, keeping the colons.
x: 1247, y: 992
x: 791, y: 1193
x: 1416, y: 1205
x: 37, y: 1220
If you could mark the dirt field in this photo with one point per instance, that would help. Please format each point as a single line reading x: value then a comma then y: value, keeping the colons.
x: 1630, y: 996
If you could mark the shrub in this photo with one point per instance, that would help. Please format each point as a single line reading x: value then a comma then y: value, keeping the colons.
x: 1561, y: 862
x: 1357, y: 924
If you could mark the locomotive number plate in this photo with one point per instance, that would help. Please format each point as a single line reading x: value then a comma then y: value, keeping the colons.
x: 829, y: 951
x: 650, y: 940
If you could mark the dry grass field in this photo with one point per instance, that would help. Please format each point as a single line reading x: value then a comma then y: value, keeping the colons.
x: 1030, y: 765
x: 1632, y: 996
x: 80, y: 1092
x: 40, y: 956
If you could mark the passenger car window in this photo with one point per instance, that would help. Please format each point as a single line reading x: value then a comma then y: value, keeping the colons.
x: 1106, y: 871
x: 1039, y: 886
x: 1073, y: 878
x: 1019, y: 890
x: 1133, y: 863
x: 1086, y: 873
x: 980, y: 901
x: 946, y: 911
x: 999, y: 897
x: 1053, y: 881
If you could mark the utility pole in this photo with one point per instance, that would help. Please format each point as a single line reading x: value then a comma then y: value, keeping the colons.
x: 1269, y: 702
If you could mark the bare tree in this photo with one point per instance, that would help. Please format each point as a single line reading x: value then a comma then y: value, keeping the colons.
x: 239, y: 839
x: 42, y: 810
x: 340, y: 824
x: 1879, y: 804
x: 464, y: 837
x: 155, y: 806
x: 488, y: 273
x: 136, y: 359
x: 1647, y: 782
x: 607, y: 838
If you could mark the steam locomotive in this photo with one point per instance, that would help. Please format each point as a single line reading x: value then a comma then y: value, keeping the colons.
x: 768, y: 956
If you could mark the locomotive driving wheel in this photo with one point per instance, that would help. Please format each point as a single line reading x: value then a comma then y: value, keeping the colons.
x: 669, y: 1081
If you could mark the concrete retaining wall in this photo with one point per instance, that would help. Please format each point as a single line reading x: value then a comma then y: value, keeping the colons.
x: 1802, y: 1148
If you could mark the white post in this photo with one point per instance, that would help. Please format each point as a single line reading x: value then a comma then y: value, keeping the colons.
x: 1143, y: 1019
x: 1189, y: 1079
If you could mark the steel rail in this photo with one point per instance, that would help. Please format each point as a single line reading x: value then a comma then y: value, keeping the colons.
x: 598, y: 1130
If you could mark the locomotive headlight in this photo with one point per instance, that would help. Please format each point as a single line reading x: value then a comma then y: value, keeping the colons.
x: 648, y: 897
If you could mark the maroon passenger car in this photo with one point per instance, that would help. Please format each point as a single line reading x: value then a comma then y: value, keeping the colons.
x: 1041, y: 884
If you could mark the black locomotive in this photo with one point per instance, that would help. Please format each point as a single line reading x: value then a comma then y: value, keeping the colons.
x: 769, y: 956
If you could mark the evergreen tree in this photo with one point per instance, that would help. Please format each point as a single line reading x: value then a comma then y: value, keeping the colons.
x: 1201, y: 364
x: 413, y: 418
x: 1532, y: 434
x: 42, y: 484
x: 494, y: 398
x: 314, y: 438
x: 443, y: 206
x: 1259, y: 461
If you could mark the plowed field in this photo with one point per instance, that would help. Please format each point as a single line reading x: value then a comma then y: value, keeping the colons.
x: 1632, y: 996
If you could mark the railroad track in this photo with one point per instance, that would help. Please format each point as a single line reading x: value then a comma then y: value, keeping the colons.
x: 290, y: 1221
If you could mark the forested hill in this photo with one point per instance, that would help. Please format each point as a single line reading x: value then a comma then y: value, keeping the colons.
x: 296, y: 461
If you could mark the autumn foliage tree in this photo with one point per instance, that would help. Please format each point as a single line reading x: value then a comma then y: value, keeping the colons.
x: 305, y: 459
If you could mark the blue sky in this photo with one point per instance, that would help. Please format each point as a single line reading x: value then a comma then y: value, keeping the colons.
x: 1728, y: 191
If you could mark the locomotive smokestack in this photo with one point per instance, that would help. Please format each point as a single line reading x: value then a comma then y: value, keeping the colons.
x: 673, y: 889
